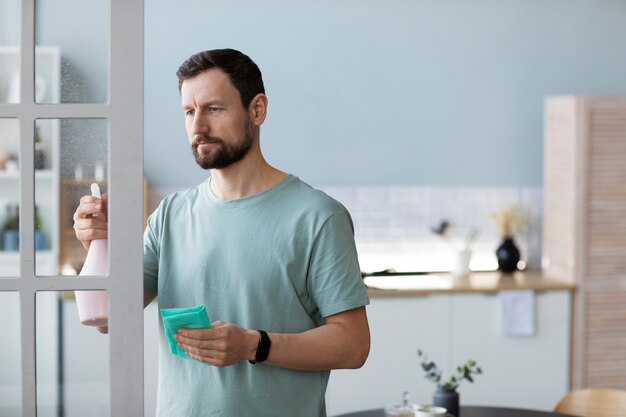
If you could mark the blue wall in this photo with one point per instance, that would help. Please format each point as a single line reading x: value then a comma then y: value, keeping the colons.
x: 427, y: 92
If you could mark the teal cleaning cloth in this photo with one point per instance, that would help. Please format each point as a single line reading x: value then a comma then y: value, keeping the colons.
x: 177, y: 318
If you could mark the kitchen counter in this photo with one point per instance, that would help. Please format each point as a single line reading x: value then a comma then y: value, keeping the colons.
x: 484, y: 282
x: 453, y: 321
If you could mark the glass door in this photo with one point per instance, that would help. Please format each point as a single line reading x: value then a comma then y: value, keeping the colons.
x: 71, y: 114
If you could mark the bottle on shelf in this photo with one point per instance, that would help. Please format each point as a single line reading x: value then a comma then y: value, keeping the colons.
x: 10, y: 232
x: 40, y: 235
x: 11, y: 229
x: 40, y: 153
x: 93, y: 306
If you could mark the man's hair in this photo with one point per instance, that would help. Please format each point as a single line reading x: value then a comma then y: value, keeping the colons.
x: 242, y: 71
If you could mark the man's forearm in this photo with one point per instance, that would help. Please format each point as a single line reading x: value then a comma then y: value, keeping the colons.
x: 342, y: 343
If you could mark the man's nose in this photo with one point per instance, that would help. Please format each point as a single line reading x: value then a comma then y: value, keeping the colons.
x: 200, y: 124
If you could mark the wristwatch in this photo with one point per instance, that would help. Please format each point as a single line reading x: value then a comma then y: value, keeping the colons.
x: 263, y: 348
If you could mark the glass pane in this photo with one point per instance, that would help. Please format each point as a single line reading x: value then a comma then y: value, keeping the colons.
x: 72, y: 360
x: 81, y: 75
x: 46, y: 196
x: 74, y: 154
x: 9, y: 51
x: 48, y: 75
x: 9, y: 197
x: 10, y: 356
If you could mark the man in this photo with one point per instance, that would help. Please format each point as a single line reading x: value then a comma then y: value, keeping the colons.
x: 273, y: 260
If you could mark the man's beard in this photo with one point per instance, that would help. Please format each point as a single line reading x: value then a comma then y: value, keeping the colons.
x: 224, y: 155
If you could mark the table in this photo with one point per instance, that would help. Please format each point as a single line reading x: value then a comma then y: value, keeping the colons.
x: 474, y: 411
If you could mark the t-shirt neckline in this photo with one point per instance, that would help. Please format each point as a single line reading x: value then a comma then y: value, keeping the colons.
x: 249, y: 200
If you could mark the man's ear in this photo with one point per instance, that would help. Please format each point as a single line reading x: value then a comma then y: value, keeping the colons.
x: 258, y: 109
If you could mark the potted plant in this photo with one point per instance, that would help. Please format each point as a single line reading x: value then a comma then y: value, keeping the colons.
x: 446, y: 394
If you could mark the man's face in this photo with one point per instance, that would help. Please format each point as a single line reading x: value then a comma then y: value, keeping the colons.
x: 218, y: 126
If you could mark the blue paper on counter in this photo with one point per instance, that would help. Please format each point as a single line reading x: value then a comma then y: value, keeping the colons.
x: 178, y: 318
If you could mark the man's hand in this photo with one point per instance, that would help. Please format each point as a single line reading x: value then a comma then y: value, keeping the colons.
x: 221, y: 345
x: 90, y: 219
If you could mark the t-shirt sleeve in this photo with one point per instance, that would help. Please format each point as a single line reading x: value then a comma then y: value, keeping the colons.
x: 150, y: 256
x: 334, y: 276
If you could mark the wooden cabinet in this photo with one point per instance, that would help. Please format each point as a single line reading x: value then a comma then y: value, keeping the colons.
x: 526, y: 372
x: 585, y: 229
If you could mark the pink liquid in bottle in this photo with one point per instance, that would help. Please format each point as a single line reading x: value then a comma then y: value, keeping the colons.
x: 93, y: 306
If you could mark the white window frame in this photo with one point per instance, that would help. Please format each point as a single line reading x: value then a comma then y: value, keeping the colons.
x: 124, y: 113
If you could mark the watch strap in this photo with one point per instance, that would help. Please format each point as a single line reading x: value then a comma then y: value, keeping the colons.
x: 263, y: 348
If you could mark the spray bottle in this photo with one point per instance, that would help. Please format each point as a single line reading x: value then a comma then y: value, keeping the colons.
x: 93, y: 306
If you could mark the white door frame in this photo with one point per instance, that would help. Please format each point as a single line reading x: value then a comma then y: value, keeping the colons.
x: 124, y: 112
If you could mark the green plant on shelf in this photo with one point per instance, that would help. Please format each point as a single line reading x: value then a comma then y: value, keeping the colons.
x: 433, y: 373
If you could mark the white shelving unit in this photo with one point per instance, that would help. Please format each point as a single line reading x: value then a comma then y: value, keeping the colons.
x: 48, y: 70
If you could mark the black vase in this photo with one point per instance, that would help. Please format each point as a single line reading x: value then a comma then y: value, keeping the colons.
x: 448, y: 399
x: 508, y: 255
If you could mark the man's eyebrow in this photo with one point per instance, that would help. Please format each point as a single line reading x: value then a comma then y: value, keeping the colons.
x: 204, y: 104
x: 214, y: 102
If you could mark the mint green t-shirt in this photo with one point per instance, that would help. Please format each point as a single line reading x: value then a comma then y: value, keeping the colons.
x: 279, y: 261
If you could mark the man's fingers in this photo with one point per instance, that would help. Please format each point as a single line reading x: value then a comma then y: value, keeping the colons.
x: 88, y: 235
x: 91, y: 199
x: 90, y: 219
x: 208, y: 356
x: 208, y: 360
x: 85, y: 209
x: 195, y: 335
x: 87, y: 199
x: 207, y: 353
x: 90, y: 205
x: 83, y: 224
x: 202, y: 347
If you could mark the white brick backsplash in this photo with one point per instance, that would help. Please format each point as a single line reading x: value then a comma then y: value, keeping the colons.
x: 394, y: 222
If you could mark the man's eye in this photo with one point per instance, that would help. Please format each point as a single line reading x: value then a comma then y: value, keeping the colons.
x: 189, y: 113
x: 214, y: 109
